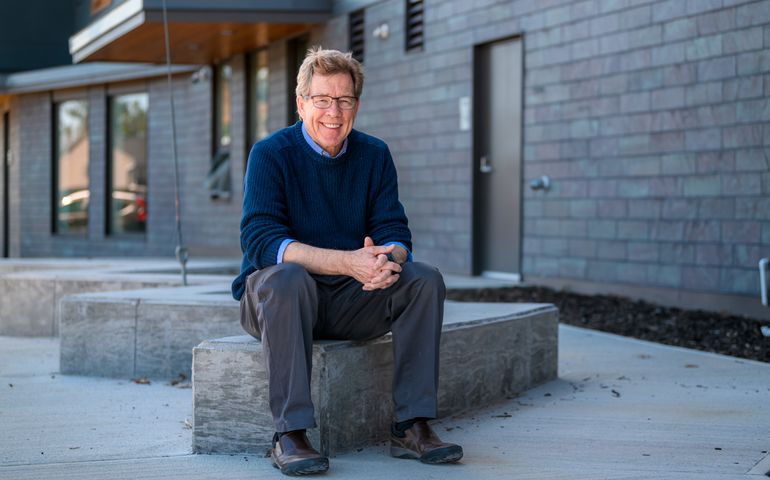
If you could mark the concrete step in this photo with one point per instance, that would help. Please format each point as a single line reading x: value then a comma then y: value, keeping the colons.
x: 143, y: 333
x: 488, y: 352
x: 32, y: 290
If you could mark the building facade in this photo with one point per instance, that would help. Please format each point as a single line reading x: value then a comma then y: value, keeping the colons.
x: 650, y: 120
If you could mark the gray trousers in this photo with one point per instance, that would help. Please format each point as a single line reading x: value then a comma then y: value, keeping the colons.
x: 286, y: 308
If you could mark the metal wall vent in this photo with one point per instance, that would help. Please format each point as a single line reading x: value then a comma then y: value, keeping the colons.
x: 357, y: 35
x: 414, y: 25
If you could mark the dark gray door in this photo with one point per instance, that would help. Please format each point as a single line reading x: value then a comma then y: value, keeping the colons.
x: 497, y: 152
x: 6, y: 174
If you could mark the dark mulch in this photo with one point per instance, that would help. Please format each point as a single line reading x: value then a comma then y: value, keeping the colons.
x: 712, y: 332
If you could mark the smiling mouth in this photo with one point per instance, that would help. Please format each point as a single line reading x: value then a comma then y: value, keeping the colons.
x: 332, y: 125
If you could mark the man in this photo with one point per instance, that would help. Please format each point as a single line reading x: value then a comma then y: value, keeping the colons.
x: 327, y: 255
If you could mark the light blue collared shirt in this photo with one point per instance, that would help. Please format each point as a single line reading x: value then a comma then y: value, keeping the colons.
x: 317, y: 148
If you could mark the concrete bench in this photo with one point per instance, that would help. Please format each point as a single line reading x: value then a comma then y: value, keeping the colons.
x: 28, y: 305
x: 149, y: 332
x: 143, y: 333
x: 488, y: 352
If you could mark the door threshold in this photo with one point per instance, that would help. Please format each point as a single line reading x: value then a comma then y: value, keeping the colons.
x: 511, y: 277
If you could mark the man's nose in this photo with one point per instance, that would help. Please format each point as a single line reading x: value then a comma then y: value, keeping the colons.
x: 335, y: 107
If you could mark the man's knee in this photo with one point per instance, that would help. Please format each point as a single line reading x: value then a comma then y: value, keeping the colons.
x: 284, y: 296
x: 286, y: 278
x: 425, y: 276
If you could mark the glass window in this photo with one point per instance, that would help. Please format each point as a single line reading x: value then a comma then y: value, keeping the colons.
x: 223, y: 83
x: 99, y: 5
x: 71, y: 195
x: 127, y: 207
x: 259, y: 78
x: 296, y: 51
x: 218, y: 178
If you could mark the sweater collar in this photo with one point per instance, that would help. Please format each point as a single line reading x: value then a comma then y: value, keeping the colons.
x: 317, y: 148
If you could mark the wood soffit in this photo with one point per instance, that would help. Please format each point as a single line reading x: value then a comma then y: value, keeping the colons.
x: 192, y: 43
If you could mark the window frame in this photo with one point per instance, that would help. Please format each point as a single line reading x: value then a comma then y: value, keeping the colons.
x: 56, y: 102
x: 252, y: 84
x: 219, y: 152
x: 296, y: 50
x: 112, y: 94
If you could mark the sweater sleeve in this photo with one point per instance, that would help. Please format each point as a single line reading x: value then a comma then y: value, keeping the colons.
x: 264, y: 223
x: 387, y: 221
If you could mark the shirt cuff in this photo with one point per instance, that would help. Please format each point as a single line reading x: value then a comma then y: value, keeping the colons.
x: 282, y: 249
x: 408, y: 253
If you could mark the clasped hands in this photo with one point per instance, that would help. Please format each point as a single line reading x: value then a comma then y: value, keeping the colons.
x: 370, y: 266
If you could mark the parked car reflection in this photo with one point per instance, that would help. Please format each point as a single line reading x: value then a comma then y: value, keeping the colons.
x: 129, y: 210
x: 73, y: 212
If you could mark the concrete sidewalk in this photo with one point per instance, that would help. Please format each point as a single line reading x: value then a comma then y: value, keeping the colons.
x: 621, y: 409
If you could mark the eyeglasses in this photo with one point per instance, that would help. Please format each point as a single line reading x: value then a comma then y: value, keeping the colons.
x: 325, y: 101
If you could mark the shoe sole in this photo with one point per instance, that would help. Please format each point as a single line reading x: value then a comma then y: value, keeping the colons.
x: 440, y: 455
x: 310, y: 466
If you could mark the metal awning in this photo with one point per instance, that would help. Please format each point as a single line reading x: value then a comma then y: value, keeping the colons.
x: 82, y: 75
x: 202, y: 31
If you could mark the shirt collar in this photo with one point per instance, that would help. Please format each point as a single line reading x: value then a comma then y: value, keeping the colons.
x: 317, y: 148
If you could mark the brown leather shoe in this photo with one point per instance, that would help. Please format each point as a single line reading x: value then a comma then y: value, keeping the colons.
x: 420, y: 442
x: 293, y: 455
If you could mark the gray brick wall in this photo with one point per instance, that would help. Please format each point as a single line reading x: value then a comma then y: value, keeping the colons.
x: 650, y: 116
x: 14, y: 190
x: 3, y: 148
x: 97, y: 162
x: 35, y: 172
x: 210, y: 227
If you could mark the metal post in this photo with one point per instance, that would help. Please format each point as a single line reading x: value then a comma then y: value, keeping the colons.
x: 181, y: 250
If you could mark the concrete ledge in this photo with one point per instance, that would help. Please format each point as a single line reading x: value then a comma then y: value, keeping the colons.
x: 147, y: 333
x: 32, y: 290
x: 488, y: 352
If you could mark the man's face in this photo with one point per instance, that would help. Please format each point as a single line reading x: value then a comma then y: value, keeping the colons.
x: 328, y: 127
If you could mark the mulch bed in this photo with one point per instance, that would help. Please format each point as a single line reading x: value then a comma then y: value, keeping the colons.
x: 712, y: 332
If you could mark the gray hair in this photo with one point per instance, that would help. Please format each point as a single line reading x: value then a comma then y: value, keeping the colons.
x: 328, y: 62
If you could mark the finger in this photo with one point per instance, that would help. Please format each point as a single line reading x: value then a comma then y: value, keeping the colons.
x: 382, y: 260
x: 393, y: 267
x: 368, y: 242
x: 383, y: 285
x: 382, y: 249
x: 381, y: 277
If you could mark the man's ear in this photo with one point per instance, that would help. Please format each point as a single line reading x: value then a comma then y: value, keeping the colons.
x: 300, y: 105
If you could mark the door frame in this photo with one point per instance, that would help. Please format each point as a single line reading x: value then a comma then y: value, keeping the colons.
x: 477, y: 236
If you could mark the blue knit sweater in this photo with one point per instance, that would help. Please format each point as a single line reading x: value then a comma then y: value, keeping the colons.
x: 290, y: 191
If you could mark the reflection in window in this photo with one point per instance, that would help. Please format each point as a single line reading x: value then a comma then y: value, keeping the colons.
x: 71, y: 167
x: 218, y: 180
x: 259, y: 77
x: 128, y: 164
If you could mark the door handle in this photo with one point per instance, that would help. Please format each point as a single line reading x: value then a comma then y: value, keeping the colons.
x: 484, y: 165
